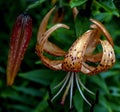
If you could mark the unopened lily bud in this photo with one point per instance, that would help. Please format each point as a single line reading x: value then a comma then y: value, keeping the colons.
x: 20, y: 38
x: 59, y: 15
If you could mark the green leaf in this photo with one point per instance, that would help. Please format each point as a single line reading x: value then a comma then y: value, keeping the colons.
x: 105, y: 16
x: 115, y: 107
x: 36, y: 4
x: 108, y: 6
x: 81, y: 25
x: 109, y: 74
x: 78, y: 102
x: 115, y: 91
x: 117, y: 5
x: 16, y: 97
x: 44, y: 76
x: 100, y: 108
x: 57, y: 80
x: 117, y: 50
x: 75, y: 3
x: 101, y: 83
x: 105, y: 103
x: 21, y: 108
x: 29, y: 91
x: 41, y: 106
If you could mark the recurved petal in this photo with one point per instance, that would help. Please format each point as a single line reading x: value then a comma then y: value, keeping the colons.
x: 93, y: 57
x: 93, y: 42
x: 53, y: 49
x: 52, y: 64
x: 42, y: 33
x: 104, y: 31
x: 55, y: 27
x: 108, y: 58
x: 46, y: 35
x: 42, y: 42
x: 43, y: 25
x: 86, y: 69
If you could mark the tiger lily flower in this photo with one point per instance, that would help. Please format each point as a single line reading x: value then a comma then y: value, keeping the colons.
x: 76, y: 58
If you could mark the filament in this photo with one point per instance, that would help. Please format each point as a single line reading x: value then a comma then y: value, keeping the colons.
x: 81, y: 90
x: 83, y: 85
x: 71, y: 88
x: 66, y: 91
x: 61, y: 87
x: 68, y: 74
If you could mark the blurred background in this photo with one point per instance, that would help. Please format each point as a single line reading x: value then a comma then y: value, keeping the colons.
x: 32, y: 89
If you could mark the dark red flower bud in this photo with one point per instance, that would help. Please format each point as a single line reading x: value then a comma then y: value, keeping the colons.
x: 20, y: 38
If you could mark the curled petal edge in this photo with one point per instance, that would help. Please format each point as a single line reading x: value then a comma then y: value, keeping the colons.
x: 56, y: 65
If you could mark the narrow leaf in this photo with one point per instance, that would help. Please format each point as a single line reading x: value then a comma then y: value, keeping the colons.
x: 75, y: 3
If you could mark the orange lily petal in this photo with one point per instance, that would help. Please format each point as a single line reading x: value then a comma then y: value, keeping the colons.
x: 40, y: 47
x: 107, y: 61
x: 53, y: 49
x: 74, y: 58
x: 104, y: 30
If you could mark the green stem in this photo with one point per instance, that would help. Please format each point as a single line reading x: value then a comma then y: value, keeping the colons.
x: 101, y: 5
x: 60, y: 3
x: 34, y: 5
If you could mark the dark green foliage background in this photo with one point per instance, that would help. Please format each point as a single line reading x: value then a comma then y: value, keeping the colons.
x: 32, y: 89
